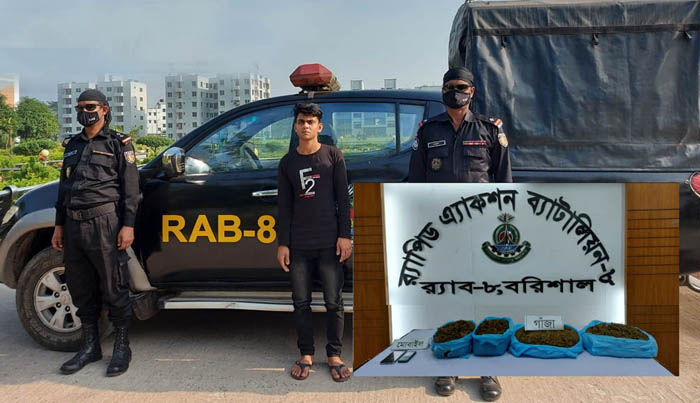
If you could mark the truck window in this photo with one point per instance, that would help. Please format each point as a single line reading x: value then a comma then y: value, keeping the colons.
x: 254, y: 141
x: 411, y: 116
x: 361, y: 131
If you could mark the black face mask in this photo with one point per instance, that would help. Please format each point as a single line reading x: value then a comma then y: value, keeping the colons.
x: 455, y: 99
x: 88, y: 118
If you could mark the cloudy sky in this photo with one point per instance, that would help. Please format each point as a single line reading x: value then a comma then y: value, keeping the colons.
x: 49, y: 41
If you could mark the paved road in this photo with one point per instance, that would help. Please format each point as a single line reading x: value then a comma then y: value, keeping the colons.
x: 236, y: 356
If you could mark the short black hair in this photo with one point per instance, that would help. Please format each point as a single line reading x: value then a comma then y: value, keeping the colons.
x: 308, y: 109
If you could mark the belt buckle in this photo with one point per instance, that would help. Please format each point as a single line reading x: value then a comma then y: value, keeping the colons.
x: 80, y: 214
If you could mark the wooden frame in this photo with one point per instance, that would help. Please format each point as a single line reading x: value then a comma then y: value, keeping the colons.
x: 651, y: 269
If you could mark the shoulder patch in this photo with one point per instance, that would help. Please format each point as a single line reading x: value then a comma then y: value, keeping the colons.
x: 66, y: 140
x: 498, y: 122
x: 502, y: 140
x: 494, y: 121
x: 123, y: 138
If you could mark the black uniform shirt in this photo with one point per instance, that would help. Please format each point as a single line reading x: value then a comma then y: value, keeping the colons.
x: 98, y: 171
x: 477, y: 152
x: 313, y: 200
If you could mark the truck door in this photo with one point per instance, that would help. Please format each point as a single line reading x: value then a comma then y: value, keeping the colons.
x: 216, y: 223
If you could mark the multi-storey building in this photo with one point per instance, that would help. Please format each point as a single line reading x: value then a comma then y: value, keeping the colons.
x: 156, y: 118
x: 127, y: 100
x: 68, y: 94
x: 357, y: 85
x: 9, y: 87
x: 188, y: 101
x: 390, y: 84
x: 193, y: 99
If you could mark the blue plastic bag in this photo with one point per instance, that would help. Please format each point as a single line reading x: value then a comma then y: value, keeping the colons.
x: 518, y: 348
x: 453, y: 348
x: 492, y: 344
x: 618, y: 347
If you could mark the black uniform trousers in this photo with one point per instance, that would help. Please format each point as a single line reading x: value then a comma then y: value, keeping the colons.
x: 96, y: 271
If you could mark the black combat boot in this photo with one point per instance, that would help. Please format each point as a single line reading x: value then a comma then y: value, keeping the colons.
x: 490, y: 388
x: 122, y: 353
x: 445, y: 385
x: 90, y: 350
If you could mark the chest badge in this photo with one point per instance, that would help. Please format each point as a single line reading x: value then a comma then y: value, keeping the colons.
x: 502, y: 140
x: 436, y: 164
x: 129, y: 156
x: 438, y: 143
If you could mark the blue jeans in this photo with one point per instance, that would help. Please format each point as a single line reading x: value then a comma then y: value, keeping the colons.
x: 301, y: 267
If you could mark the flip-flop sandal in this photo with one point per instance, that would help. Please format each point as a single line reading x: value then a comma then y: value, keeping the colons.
x: 339, y: 370
x: 301, y: 365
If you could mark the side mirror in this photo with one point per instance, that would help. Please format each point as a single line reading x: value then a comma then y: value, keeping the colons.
x: 173, y: 161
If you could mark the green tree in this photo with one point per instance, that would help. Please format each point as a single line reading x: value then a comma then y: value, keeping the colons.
x: 135, y: 131
x: 35, y: 120
x: 33, y: 147
x: 154, y: 142
x: 8, y: 123
x: 53, y: 105
x: 119, y: 128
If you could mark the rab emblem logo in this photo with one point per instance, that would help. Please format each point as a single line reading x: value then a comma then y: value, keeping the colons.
x: 505, y: 248
x: 502, y: 140
x: 307, y: 182
x: 129, y: 156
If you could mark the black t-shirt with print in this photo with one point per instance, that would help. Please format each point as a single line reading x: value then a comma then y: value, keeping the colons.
x: 313, y: 201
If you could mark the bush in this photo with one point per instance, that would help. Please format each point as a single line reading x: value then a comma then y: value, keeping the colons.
x: 56, y: 154
x: 33, y: 147
x: 33, y: 173
x: 154, y: 142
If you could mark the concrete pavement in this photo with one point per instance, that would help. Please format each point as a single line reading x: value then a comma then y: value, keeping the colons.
x: 238, y: 356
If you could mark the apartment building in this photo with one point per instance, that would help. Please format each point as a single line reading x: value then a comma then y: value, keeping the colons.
x: 193, y: 99
x: 9, y: 87
x: 156, y: 118
x: 127, y: 100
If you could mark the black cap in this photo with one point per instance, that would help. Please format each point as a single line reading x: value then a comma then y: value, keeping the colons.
x: 93, y: 95
x: 458, y: 73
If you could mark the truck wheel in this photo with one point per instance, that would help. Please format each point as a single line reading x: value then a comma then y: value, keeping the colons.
x: 44, y: 304
x: 694, y: 282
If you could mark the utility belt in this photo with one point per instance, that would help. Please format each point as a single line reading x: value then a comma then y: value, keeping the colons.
x: 92, y: 212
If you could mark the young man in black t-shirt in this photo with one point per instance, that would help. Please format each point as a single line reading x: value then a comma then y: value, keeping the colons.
x: 314, y: 234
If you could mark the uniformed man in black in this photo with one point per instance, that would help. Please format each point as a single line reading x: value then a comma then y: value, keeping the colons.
x: 95, y: 213
x: 461, y: 146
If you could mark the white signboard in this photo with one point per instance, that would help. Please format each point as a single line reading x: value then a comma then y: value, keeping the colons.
x: 411, y: 342
x: 465, y: 251
x: 546, y: 322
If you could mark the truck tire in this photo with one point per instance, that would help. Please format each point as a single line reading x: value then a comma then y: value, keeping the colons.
x: 694, y: 282
x: 45, y: 307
